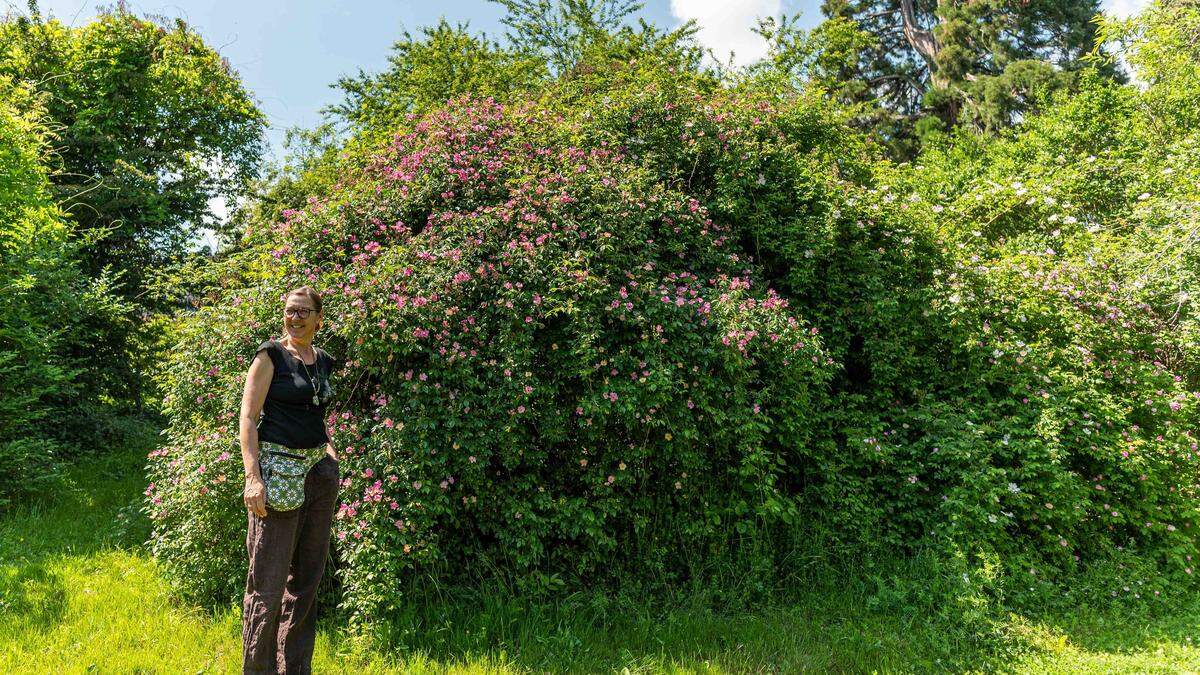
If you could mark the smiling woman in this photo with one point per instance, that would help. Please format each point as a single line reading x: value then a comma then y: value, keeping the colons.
x: 291, y: 488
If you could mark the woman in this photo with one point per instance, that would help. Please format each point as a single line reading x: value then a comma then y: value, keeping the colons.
x: 288, y: 540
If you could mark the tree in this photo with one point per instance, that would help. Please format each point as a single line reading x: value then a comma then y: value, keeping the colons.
x: 45, y: 300
x: 546, y: 39
x: 150, y: 125
x: 938, y: 63
x: 827, y: 56
x: 424, y: 71
x: 560, y: 31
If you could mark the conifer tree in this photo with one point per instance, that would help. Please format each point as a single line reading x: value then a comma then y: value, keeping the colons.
x: 937, y: 63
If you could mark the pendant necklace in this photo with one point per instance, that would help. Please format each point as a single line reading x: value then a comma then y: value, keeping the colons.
x: 311, y: 380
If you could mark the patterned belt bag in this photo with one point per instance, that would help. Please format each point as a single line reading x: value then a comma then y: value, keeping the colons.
x: 283, y: 470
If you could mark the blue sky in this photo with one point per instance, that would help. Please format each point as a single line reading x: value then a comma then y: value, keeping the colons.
x: 288, y: 52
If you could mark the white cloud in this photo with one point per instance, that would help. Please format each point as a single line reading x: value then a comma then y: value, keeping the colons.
x: 725, y: 25
x: 1125, y: 8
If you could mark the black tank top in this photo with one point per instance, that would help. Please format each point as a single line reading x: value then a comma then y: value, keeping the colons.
x: 289, y: 417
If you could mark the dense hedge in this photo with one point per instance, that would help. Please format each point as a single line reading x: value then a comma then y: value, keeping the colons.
x: 641, y: 321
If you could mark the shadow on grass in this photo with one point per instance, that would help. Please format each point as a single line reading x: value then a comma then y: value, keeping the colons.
x: 1128, y: 627
x: 31, y: 595
x: 90, y: 513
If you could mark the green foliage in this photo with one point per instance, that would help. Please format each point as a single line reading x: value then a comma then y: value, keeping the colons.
x: 43, y: 298
x: 561, y: 32
x: 149, y: 124
x: 643, y: 323
x: 424, y: 72
x: 934, y: 65
x: 1162, y: 45
x: 74, y: 582
x: 1072, y: 295
x: 826, y: 56
x: 554, y: 352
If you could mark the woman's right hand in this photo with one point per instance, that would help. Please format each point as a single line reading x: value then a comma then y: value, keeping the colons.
x: 255, y: 496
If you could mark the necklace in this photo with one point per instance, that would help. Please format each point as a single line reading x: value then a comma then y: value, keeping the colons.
x: 311, y: 380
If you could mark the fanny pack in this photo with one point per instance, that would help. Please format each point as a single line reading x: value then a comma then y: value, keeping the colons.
x: 283, y: 470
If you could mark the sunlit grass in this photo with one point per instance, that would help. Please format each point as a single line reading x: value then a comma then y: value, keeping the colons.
x: 78, y: 594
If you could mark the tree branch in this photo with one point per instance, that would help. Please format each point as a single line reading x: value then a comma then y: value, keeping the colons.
x: 920, y: 39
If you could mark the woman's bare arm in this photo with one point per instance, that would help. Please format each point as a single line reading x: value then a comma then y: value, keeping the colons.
x: 258, y: 380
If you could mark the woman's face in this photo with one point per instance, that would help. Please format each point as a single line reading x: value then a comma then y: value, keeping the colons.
x: 300, y: 320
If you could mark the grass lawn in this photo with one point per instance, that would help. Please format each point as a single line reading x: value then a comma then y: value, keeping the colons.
x: 78, y: 594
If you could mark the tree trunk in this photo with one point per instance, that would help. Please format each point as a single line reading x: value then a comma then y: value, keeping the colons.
x: 921, y: 40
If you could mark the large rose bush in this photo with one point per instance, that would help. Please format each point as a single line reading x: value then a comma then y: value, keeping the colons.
x: 553, y: 363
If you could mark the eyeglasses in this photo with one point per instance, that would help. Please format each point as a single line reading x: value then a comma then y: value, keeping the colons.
x: 297, y: 313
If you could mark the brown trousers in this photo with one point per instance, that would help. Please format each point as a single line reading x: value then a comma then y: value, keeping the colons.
x: 287, y: 552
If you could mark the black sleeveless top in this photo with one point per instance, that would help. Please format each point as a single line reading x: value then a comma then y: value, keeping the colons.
x: 289, y: 417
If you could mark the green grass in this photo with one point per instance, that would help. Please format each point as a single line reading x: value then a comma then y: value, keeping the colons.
x: 79, y: 594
